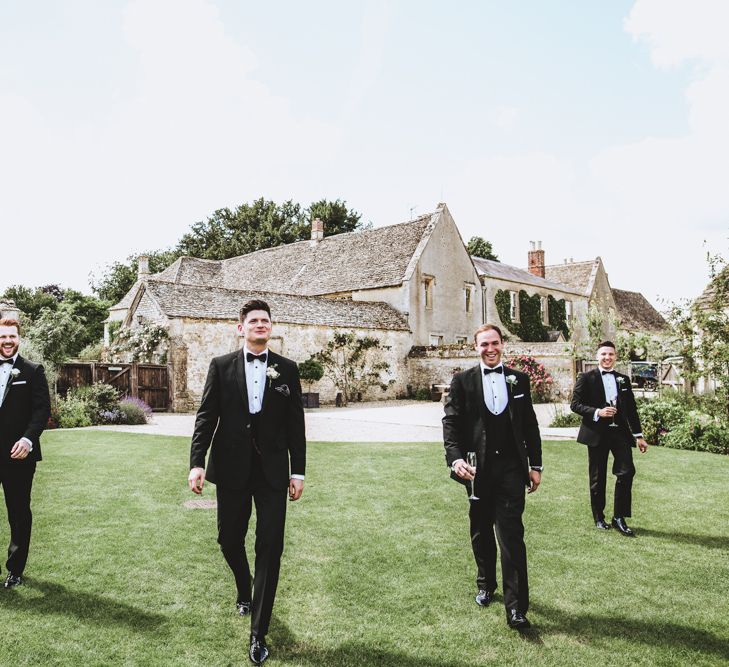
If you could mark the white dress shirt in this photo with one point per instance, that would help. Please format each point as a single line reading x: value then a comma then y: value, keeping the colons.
x: 5, y: 377
x: 256, y: 384
x: 494, y: 390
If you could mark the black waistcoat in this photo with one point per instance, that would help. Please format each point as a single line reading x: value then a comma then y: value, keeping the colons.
x: 500, y: 441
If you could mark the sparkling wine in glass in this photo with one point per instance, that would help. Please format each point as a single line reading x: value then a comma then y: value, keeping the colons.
x: 613, y: 404
x: 471, y: 460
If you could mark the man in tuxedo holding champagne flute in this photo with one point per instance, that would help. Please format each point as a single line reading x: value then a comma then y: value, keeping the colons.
x: 489, y: 416
x: 610, y: 423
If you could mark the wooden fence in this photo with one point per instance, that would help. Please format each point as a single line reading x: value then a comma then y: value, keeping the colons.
x: 149, y: 382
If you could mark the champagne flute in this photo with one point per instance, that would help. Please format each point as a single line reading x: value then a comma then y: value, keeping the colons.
x: 613, y: 404
x: 471, y: 460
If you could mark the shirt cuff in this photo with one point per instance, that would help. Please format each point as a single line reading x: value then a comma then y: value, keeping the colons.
x: 537, y: 468
x: 453, y: 465
x: 596, y: 416
x: 30, y: 444
x: 637, y: 435
x: 301, y: 477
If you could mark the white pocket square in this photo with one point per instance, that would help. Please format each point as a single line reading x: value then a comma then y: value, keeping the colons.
x: 519, y: 396
x: 19, y: 382
x: 284, y: 389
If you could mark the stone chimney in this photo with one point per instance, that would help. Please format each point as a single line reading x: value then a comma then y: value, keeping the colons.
x: 317, y: 230
x: 536, y: 259
x: 143, y: 270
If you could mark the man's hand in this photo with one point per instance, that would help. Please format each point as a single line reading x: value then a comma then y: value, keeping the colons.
x: 296, y: 488
x: 20, y: 450
x: 535, y: 479
x: 463, y: 470
x: 609, y: 411
x: 642, y: 445
x: 196, y: 479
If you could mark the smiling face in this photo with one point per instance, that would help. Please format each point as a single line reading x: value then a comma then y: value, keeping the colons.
x: 606, y: 357
x: 9, y: 341
x: 490, y: 346
x: 256, y: 329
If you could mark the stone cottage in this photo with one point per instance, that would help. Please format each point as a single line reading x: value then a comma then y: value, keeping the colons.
x: 407, y: 284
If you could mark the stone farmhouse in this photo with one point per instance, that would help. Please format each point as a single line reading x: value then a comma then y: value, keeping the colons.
x: 412, y: 285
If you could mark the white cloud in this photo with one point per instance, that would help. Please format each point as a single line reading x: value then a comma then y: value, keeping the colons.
x: 677, y: 30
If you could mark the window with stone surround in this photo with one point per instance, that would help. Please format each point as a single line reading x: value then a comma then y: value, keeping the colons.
x: 428, y: 284
x: 514, y: 306
x: 544, y: 301
x: 468, y: 289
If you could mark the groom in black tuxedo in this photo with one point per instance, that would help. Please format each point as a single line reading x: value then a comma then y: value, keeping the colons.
x: 252, y: 419
x: 24, y: 410
x: 610, y: 423
x: 489, y: 411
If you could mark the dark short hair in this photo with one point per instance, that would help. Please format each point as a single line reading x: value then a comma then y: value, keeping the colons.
x: 253, y: 304
x: 10, y: 322
x: 488, y: 327
x: 606, y: 343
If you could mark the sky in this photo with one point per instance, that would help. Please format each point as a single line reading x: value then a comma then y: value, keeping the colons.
x: 598, y: 128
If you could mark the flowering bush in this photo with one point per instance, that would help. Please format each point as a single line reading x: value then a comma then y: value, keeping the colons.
x: 539, y: 378
x: 145, y: 343
x: 134, y: 411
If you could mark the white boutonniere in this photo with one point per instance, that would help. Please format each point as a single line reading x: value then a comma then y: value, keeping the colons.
x: 14, y: 373
x: 511, y: 379
x: 620, y: 380
x: 272, y: 374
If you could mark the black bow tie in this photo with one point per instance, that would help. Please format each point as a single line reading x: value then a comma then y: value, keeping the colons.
x: 252, y: 357
x: 608, y: 372
x: 5, y: 361
x: 498, y: 369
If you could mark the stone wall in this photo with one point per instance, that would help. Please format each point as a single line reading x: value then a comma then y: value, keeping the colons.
x: 431, y: 365
x: 205, y: 339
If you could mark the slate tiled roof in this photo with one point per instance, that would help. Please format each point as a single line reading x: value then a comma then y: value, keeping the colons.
x: 636, y: 313
x: 706, y: 300
x: 126, y: 301
x: 492, y: 269
x: 217, y: 303
x: 339, y: 263
x: 577, y: 275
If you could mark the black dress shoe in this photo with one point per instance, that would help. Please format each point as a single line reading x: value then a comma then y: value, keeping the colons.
x: 258, y: 651
x: 516, y: 620
x: 484, y: 598
x: 622, y: 527
x: 243, y: 608
x: 12, y: 580
x: 602, y: 524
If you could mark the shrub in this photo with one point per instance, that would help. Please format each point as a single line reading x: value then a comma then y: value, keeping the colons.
x: 99, y: 396
x: 541, y: 381
x: 73, y: 412
x: 92, y: 352
x: 659, y: 416
x: 565, y: 419
x: 422, y: 394
x: 133, y: 411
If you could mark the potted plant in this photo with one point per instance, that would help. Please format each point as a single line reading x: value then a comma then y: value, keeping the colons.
x: 311, y: 371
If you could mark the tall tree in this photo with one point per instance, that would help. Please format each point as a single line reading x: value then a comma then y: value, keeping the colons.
x: 32, y: 300
x: 480, y: 247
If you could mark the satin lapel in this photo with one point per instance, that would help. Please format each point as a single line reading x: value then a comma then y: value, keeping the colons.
x: 240, y: 377
x: 477, y: 389
x: 18, y: 364
x: 601, y: 387
x: 273, y: 358
x: 509, y: 395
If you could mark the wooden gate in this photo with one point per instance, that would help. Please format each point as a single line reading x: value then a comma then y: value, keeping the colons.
x: 149, y: 382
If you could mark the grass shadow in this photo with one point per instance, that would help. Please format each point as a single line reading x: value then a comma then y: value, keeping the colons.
x: 650, y: 633
x: 710, y: 541
x: 58, y: 599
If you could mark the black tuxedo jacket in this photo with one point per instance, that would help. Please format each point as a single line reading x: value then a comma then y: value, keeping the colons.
x: 589, y: 395
x: 464, y: 427
x: 25, y: 411
x: 223, y: 424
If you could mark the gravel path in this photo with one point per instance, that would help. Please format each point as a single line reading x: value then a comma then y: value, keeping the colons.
x: 383, y: 421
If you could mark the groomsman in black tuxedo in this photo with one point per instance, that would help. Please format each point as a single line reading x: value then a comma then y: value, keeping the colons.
x: 489, y: 411
x: 24, y: 410
x: 252, y: 419
x: 610, y: 423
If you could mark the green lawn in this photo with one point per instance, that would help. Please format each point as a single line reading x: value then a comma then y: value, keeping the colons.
x: 377, y: 568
